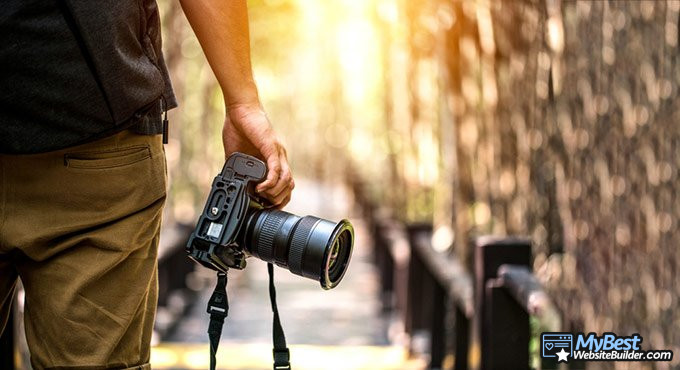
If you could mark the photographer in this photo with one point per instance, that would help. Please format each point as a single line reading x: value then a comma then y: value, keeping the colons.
x: 83, y: 89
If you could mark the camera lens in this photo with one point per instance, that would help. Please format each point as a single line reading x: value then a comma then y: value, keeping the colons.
x: 307, y: 246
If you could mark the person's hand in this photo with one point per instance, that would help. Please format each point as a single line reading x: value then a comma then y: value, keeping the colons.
x: 248, y: 130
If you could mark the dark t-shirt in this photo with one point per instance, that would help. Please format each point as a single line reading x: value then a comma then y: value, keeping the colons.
x: 52, y: 87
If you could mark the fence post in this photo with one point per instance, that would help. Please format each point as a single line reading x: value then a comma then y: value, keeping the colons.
x: 438, y: 333
x: 418, y: 301
x: 385, y: 264
x: 490, y: 254
x: 507, y: 341
x: 462, y: 340
x: 421, y: 288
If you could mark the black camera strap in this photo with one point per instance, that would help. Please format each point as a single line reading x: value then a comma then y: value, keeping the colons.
x: 281, y: 352
x: 218, y: 308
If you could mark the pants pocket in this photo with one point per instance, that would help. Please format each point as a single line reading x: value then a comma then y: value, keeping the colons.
x: 118, y: 157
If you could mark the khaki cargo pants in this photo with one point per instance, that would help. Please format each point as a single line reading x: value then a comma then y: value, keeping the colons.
x: 80, y: 227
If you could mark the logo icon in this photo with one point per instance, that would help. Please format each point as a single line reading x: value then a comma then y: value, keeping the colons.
x: 558, y: 345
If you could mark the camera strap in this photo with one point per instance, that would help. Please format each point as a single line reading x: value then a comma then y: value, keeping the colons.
x: 281, y: 352
x: 218, y: 308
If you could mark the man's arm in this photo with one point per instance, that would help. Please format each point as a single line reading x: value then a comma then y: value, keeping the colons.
x: 221, y: 27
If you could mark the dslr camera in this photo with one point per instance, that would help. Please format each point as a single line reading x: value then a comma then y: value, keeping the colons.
x: 236, y: 224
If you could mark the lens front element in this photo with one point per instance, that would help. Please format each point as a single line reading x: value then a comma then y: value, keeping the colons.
x: 339, y: 253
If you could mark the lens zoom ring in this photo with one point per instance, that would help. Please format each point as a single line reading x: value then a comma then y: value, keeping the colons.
x: 299, y: 242
x: 265, y: 243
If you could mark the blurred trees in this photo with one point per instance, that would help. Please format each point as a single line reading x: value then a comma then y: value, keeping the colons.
x: 557, y: 120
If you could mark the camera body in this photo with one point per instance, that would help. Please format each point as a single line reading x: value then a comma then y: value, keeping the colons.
x: 217, y: 242
x: 236, y: 224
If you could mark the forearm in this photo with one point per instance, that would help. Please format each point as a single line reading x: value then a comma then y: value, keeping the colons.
x: 221, y: 27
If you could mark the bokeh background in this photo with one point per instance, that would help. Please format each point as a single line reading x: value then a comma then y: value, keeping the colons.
x: 557, y: 120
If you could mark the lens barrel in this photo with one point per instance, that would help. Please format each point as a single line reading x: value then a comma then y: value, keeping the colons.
x: 307, y: 246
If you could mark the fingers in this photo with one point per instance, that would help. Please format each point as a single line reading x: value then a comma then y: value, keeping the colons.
x: 274, y: 171
x: 279, y: 193
x: 283, y: 181
x: 284, y: 202
x: 281, y: 199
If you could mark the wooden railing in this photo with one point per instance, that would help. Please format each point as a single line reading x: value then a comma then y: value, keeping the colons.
x: 488, y: 309
x: 439, y: 288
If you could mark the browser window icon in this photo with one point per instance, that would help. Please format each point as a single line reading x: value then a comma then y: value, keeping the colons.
x: 554, y: 343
